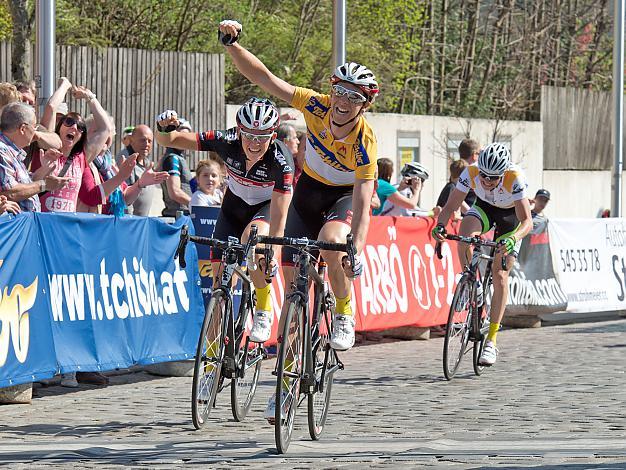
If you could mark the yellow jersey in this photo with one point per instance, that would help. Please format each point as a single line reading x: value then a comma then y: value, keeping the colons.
x: 335, y: 162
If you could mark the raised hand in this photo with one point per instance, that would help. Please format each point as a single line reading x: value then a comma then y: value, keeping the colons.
x: 82, y: 93
x: 229, y: 31
x: 127, y: 166
x: 167, y: 118
x: 150, y: 177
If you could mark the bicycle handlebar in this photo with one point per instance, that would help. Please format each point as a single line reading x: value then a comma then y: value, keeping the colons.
x: 304, y: 242
x: 475, y: 241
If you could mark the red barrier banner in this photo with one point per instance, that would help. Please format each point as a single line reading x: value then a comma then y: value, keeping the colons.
x: 403, y: 281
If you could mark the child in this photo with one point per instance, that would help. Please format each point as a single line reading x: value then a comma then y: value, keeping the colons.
x: 209, y: 178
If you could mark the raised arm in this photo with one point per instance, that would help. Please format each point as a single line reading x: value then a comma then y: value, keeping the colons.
x: 252, y: 68
x: 102, y: 125
x: 166, y: 136
x: 48, y: 120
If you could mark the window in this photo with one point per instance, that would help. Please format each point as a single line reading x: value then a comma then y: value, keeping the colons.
x: 452, y: 145
x: 408, y: 147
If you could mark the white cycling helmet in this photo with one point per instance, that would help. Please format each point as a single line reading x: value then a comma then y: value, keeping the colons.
x: 258, y: 113
x: 359, y: 75
x: 412, y: 169
x: 494, y: 159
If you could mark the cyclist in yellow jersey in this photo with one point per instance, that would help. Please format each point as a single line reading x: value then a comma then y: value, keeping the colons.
x: 501, y: 201
x: 333, y: 194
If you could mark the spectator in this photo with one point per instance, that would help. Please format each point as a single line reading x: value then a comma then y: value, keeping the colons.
x: 456, y: 168
x: 469, y: 150
x: 299, y: 156
x: 176, y: 190
x: 17, y: 129
x: 140, y: 143
x: 126, y: 133
x: 104, y: 188
x: 76, y: 148
x: 28, y: 92
x: 8, y: 94
x: 209, y: 177
x: 287, y: 134
x: 539, y: 203
x: 403, y: 199
x: 386, y: 191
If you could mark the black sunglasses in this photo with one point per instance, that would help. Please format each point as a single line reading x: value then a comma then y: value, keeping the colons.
x: 69, y: 121
x: 488, y: 177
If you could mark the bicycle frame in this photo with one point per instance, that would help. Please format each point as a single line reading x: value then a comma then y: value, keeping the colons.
x: 306, y: 271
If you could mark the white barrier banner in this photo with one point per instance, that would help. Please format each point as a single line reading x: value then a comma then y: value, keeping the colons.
x: 589, y: 257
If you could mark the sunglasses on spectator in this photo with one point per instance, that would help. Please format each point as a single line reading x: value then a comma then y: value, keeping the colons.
x: 256, y: 137
x: 489, y: 177
x: 353, y: 96
x: 69, y: 121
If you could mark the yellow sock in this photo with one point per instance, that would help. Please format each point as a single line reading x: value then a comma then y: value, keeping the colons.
x: 289, y: 363
x: 211, y: 352
x: 263, y: 298
x: 343, y: 306
x: 493, y: 331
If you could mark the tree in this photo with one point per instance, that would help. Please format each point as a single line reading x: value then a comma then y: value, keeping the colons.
x: 20, y: 63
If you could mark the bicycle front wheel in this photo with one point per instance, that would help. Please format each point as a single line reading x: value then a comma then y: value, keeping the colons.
x: 208, y: 364
x: 242, y: 389
x: 483, y: 328
x: 288, y: 375
x: 325, y: 365
x: 457, y: 328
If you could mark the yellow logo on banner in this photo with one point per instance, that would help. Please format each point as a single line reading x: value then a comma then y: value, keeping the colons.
x: 14, y: 320
x: 205, y: 268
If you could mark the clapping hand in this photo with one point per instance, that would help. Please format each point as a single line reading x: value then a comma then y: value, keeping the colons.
x: 150, y: 177
x: 128, y: 165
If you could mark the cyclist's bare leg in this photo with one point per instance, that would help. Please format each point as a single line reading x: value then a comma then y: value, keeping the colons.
x: 500, y: 286
x: 258, y: 275
x: 470, y: 227
x: 336, y: 232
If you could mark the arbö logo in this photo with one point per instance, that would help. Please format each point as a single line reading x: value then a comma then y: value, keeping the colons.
x: 14, y: 320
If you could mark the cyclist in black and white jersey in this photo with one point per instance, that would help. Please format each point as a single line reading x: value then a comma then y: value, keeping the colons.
x: 260, y: 177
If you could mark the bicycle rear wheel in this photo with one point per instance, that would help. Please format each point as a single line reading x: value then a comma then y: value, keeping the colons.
x: 325, y: 365
x: 208, y: 364
x: 288, y: 375
x: 484, y: 329
x: 457, y: 328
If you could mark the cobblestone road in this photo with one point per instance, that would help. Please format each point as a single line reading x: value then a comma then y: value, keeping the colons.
x: 555, y: 399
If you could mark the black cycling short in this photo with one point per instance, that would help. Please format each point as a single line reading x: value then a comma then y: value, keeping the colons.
x: 505, y: 221
x: 234, y: 217
x: 313, y: 204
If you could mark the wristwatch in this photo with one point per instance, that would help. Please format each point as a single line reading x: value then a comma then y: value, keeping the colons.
x: 42, y: 185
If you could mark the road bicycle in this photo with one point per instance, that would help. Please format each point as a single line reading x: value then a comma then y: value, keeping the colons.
x: 224, y: 349
x: 469, y: 317
x: 306, y: 363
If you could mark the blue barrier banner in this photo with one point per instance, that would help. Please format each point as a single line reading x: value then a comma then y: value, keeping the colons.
x: 109, y: 293
x: 26, y: 346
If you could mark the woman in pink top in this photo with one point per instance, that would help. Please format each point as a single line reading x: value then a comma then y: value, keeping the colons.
x: 77, y: 150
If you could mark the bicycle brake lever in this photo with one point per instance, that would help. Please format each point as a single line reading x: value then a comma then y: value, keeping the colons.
x: 438, y: 250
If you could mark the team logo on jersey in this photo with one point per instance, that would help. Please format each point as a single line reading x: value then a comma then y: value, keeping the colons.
x: 464, y: 182
x: 287, y: 179
x: 323, y: 134
x: 341, y: 150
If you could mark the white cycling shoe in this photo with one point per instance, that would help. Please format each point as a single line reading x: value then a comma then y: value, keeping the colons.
x: 342, y: 337
x: 489, y: 355
x: 270, y: 411
x: 261, y: 326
